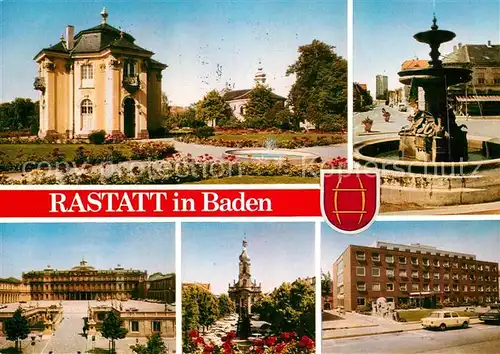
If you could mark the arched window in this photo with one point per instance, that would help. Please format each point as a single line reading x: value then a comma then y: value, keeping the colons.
x: 87, y: 111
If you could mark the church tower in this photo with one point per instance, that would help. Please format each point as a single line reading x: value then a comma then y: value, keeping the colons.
x: 244, y: 292
x: 260, y: 76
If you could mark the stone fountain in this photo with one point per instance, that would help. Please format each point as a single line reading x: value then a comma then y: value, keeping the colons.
x: 432, y: 162
x: 434, y: 134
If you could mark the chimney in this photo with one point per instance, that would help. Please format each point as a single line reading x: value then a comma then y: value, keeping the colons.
x: 70, y: 37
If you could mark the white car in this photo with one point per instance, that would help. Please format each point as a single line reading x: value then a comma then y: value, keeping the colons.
x: 444, y: 320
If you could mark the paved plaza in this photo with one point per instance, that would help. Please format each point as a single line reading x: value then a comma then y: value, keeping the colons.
x: 68, y: 338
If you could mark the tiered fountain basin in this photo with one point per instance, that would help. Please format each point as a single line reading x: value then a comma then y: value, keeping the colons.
x: 272, y: 155
x: 432, y: 184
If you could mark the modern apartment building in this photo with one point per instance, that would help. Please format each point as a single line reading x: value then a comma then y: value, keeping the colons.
x: 407, y: 274
x: 381, y: 87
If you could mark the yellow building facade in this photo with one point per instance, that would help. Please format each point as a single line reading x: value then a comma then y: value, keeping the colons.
x: 13, y: 290
x: 98, y: 80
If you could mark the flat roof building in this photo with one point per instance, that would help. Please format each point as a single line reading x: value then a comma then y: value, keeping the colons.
x: 411, y: 274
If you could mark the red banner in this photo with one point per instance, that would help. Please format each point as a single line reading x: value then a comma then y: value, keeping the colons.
x: 81, y: 202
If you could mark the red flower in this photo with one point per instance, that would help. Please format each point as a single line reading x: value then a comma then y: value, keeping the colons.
x: 199, y: 340
x: 231, y: 335
x: 270, y: 341
x: 278, y: 348
x: 208, y: 348
x: 193, y: 334
x: 306, y: 342
x: 258, y: 342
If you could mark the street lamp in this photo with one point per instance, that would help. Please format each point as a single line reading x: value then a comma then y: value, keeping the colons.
x: 33, y: 337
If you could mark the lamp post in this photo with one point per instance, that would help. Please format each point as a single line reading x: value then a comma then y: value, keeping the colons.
x: 33, y: 337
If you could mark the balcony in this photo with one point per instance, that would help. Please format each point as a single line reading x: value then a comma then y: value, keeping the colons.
x: 131, y: 83
x: 361, y: 287
x: 389, y: 260
x: 390, y: 275
x: 39, y: 83
x: 403, y: 275
x: 446, y: 265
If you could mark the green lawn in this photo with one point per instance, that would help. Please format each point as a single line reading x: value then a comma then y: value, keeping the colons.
x: 417, y: 315
x: 279, y: 137
x: 259, y: 180
x: 13, y: 150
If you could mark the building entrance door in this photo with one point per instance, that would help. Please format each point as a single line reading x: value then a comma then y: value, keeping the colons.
x: 129, y: 117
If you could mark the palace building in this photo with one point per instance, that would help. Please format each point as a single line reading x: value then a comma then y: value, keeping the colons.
x: 411, y: 274
x: 98, y: 79
x: 245, y: 292
x: 13, y: 290
x: 161, y: 287
x: 84, y: 282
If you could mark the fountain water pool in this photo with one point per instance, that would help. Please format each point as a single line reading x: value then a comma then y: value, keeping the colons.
x: 276, y: 155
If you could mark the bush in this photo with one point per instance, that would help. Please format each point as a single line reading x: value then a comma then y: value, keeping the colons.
x: 97, y: 137
x: 158, y: 133
x: 362, y: 308
x: 204, y: 132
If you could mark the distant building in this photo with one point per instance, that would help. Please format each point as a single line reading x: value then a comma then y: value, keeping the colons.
x: 411, y: 274
x: 237, y: 99
x: 244, y: 292
x: 481, y: 96
x: 419, y: 95
x: 361, y: 97
x: 161, y: 287
x: 98, y: 79
x: 13, y: 290
x: 382, y: 86
x: 84, y: 282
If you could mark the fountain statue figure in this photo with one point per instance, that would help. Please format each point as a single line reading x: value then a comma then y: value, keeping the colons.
x: 270, y: 143
x: 434, y: 135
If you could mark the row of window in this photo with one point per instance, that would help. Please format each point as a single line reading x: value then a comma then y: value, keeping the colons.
x: 390, y: 273
x: 155, y: 326
x: 361, y: 286
x: 361, y: 301
x: 83, y: 286
x: 389, y: 259
x: 87, y: 70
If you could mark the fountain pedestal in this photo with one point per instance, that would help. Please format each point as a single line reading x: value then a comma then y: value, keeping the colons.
x: 434, y: 136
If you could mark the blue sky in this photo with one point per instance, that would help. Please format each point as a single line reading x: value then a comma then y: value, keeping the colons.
x: 145, y: 246
x: 280, y: 252
x: 384, y: 29
x: 481, y: 238
x: 192, y: 37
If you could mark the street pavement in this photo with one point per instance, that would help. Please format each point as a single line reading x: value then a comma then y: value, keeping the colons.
x: 487, y: 127
x: 68, y: 338
x: 480, y: 338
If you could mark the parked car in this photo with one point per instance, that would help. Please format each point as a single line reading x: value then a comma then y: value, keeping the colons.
x: 491, y: 316
x: 444, y: 320
x: 402, y: 107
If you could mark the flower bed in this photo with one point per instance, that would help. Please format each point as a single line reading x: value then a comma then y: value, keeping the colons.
x: 82, y: 155
x: 194, y: 343
x: 285, y: 343
x: 174, y: 170
x: 294, y: 143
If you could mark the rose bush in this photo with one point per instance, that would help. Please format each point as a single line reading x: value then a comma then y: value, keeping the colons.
x: 195, y: 343
x: 112, y: 154
x: 285, y: 343
x: 173, y: 170
x: 294, y: 143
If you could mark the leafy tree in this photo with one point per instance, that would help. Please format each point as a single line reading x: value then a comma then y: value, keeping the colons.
x: 326, y: 285
x: 112, y: 329
x: 17, y: 328
x: 22, y: 113
x: 155, y: 345
x: 213, y: 108
x: 289, y: 308
x: 207, y: 306
x: 226, y: 305
x: 261, y: 108
x: 320, y: 90
x: 190, y: 312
